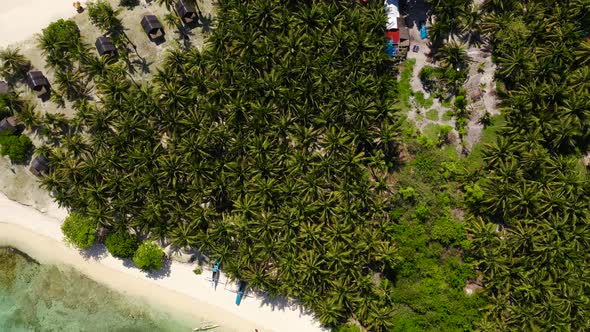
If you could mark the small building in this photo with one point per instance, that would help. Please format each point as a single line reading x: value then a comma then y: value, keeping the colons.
x: 396, y: 32
x: 8, y: 125
x: 4, y: 88
x: 152, y: 27
x: 39, y: 166
x: 38, y: 83
x: 186, y: 11
x: 104, y: 45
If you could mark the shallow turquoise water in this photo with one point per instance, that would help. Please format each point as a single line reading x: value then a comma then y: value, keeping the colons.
x: 36, y: 297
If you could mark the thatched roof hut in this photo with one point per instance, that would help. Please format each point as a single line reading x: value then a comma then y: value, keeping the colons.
x: 151, y: 25
x: 186, y: 11
x: 39, y: 166
x: 38, y: 82
x: 104, y: 45
x: 4, y: 88
x: 8, y: 125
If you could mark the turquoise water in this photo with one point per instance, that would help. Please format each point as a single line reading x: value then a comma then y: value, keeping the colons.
x: 36, y: 297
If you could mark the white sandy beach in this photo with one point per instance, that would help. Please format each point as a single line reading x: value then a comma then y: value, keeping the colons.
x: 20, y: 19
x: 39, y: 235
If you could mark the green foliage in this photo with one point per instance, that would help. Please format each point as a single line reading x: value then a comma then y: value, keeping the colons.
x: 264, y: 152
x: 443, y: 134
x: 531, y: 181
x: 347, y: 328
x: 448, y: 115
x: 460, y: 102
x: 423, y: 102
x: 59, y: 42
x: 447, y: 231
x: 197, y: 271
x: 404, y: 87
x: 421, y: 212
x: 79, y: 230
x: 13, y: 65
x: 432, y: 115
x: 474, y: 194
x: 17, y: 147
x: 104, y: 16
x: 121, y: 244
x: 149, y: 256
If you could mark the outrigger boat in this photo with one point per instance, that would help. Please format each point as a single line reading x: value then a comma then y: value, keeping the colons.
x: 205, y: 327
x: 241, y: 292
x: 215, y: 276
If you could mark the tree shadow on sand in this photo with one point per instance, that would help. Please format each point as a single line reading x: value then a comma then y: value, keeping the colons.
x: 97, y: 252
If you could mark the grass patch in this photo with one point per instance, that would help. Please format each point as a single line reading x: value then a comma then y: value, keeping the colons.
x: 446, y: 103
x: 405, y: 90
x: 431, y: 131
x: 488, y: 136
x: 432, y: 115
x: 448, y: 116
x: 426, y: 103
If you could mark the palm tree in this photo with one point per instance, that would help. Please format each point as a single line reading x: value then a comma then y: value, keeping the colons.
x: 70, y: 84
x: 13, y: 65
x: 453, y: 55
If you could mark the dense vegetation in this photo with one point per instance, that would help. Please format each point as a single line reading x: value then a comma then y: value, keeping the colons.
x: 275, y: 150
x: 278, y: 150
x: 531, y: 226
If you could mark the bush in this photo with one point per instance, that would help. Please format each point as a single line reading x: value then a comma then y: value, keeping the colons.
x: 428, y: 73
x: 447, y: 231
x: 148, y: 256
x: 197, y: 271
x: 473, y: 194
x: 421, y: 212
x: 407, y: 193
x: 17, y: 148
x: 79, y: 230
x: 460, y: 102
x: 122, y: 244
x: 443, y: 134
x: 60, y: 40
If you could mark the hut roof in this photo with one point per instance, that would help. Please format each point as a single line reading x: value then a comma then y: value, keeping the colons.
x: 104, y: 45
x: 39, y: 166
x: 8, y: 124
x: 403, y: 30
x: 151, y: 24
x: 184, y: 9
x: 4, y: 87
x: 36, y: 79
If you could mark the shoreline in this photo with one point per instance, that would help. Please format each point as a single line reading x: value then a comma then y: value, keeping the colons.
x: 180, y: 292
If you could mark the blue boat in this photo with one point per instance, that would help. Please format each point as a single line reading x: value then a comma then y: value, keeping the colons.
x: 241, y: 292
x: 215, y: 276
x: 423, y: 32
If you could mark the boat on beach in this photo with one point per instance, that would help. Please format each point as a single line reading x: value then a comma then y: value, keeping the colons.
x: 206, y: 327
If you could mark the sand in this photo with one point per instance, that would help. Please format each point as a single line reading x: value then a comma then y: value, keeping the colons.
x: 20, y: 19
x: 177, y: 289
